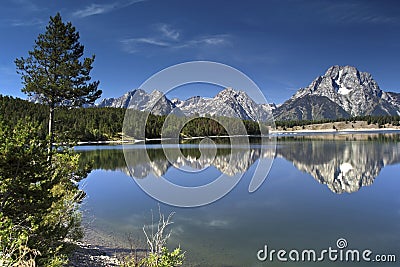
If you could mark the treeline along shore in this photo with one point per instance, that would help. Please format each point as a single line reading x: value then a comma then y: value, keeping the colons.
x: 105, y: 124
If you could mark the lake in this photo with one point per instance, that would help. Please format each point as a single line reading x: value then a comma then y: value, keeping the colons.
x: 319, y: 189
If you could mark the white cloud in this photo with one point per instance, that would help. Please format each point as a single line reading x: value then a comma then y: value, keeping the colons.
x: 164, y: 35
x: 209, y: 40
x: 213, y: 40
x: 169, y: 32
x: 133, y: 45
x: 24, y: 23
x: 93, y: 9
x: 149, y: 41
x: 97, y: 9
x: 171, y: 40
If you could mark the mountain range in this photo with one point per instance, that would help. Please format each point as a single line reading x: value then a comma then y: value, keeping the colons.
x: 343, y: 91
x: 228, y: 103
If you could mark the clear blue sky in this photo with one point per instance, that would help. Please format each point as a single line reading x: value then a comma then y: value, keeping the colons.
x: 281, y: 45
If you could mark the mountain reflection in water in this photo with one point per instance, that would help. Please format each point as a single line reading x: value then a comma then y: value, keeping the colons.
x: 343, y: 165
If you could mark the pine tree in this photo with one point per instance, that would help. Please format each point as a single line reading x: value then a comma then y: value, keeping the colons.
x: 54, y: 72
x: 38, y: 199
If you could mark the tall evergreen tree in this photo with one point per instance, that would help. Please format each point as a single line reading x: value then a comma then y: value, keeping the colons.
x: 38, y: 199
x: 54, y: 71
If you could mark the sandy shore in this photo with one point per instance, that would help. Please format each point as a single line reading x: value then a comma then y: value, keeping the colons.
x: 338, y: 127
x: 333, y: 131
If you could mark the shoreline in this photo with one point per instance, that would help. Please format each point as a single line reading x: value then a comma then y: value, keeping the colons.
x: 86, y: 255
x: 341, y: 131
x: 272, y: 133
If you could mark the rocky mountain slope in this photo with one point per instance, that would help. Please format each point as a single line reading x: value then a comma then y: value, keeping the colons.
x: 310, y: 107
x: 392, y: 98
x: 347, y: 89
x: 228, y: 103
x: 138, y: 99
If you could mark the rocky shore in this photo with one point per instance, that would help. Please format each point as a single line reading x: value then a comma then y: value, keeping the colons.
x: 87, y: 255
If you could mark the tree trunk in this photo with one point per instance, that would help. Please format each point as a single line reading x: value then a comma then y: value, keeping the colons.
x: 51, y: 134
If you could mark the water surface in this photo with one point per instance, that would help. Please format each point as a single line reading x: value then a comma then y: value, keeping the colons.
x: 319, y: 189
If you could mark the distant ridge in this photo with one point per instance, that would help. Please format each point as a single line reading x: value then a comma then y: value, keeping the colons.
x: 228, y: 103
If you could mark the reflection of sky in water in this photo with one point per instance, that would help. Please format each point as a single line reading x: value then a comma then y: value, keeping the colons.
x: 290, y: 210
x: 195, y: 177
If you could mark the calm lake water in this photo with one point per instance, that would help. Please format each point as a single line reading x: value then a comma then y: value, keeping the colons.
x: 319, y: 189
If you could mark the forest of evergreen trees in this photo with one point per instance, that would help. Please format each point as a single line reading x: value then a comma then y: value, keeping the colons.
x: 75, y: 124
x: 101, y: 124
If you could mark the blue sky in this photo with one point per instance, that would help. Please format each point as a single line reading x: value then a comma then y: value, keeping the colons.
x: 281, y: 45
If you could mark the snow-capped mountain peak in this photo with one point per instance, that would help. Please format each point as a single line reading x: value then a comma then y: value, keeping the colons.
x: 342, y: 88
x: 138, y: 99
x: 228, y: 103
x: 341, y: 91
